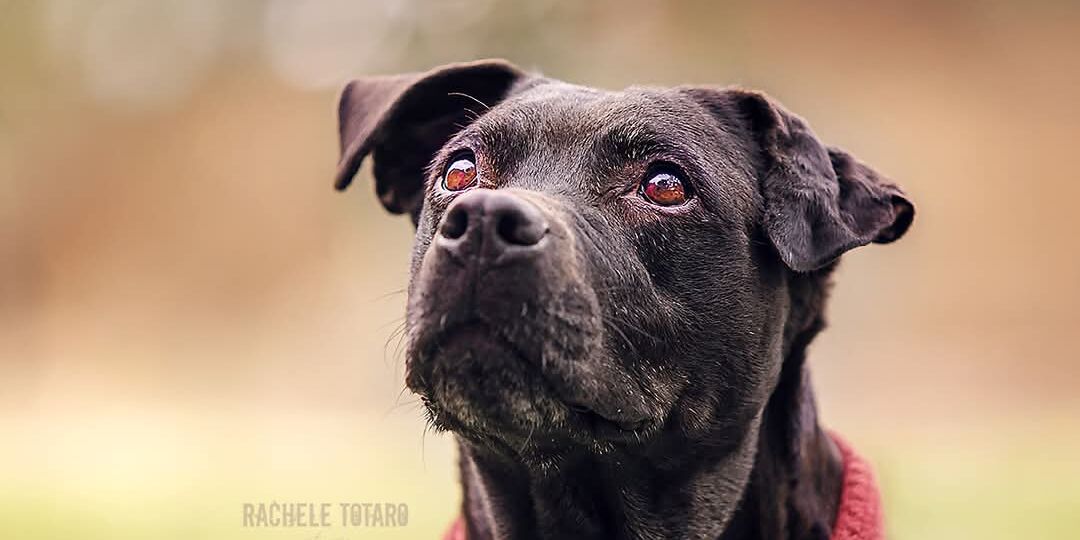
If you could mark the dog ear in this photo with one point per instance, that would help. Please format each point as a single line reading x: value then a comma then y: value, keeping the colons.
x: 819, y: 202
x: 403, y: 120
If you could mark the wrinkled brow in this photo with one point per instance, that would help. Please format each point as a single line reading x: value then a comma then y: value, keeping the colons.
x: 617, y: 147
x: 605, y: 149
x: 506, y: 143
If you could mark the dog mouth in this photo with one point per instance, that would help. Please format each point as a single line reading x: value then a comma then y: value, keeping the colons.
x: 476, y: 380
x: 601, y: 424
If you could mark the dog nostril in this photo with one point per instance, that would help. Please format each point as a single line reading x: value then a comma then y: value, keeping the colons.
x: 455, y: 224
x: 504, y: 219
x: 519, y: 229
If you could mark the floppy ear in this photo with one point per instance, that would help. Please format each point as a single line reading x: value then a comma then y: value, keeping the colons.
x: 819, y: 202
x: 403, y: 120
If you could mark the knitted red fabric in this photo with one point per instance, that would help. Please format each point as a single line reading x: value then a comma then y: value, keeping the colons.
x: 858, y: 518
x: 457, y: 530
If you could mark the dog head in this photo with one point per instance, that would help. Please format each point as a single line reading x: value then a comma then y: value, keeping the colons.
x: 594, y: 268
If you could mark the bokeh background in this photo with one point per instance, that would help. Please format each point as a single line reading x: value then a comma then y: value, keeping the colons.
x: 191, y: 318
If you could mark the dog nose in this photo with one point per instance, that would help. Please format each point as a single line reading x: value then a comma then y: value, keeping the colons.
x: 500, y: 219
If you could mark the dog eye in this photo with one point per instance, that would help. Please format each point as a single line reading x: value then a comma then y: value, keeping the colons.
x: 461, y: 174
x: 664, y: 188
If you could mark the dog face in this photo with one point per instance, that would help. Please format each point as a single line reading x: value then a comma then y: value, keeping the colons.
x: 593, y: 268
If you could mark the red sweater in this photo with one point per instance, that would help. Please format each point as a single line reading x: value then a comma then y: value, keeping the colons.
x: 858, y: 518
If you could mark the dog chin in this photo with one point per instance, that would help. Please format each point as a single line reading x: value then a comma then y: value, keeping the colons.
x: 481, y: 387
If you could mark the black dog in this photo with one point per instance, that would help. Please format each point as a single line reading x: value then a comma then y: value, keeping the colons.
x: 612, y: 294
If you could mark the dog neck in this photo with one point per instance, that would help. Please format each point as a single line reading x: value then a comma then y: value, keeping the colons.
x: 794, y: 489
x: 781, y: 479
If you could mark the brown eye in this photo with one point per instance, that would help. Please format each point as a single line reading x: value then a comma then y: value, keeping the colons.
x: 461, y: 174
x: 664, y: 189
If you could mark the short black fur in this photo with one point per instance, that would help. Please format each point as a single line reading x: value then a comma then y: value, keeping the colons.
x: 638, y: 371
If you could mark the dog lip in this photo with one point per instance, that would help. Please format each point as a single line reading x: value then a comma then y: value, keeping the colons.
x: 444, y: 334
x: 597, y: 419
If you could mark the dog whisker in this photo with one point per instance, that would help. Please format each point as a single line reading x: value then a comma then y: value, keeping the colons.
x: 397, y: 334
x: 395, y: 321
x: 532, y: 428
x: 389, y: 294
x: 614, y: 325
x: 464, y: 95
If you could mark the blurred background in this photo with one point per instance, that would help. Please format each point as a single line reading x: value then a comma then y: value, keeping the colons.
x: 191, y: 318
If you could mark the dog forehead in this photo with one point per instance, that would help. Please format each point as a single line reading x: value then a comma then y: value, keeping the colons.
x: 580, y: 112
x: 577, y: 126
